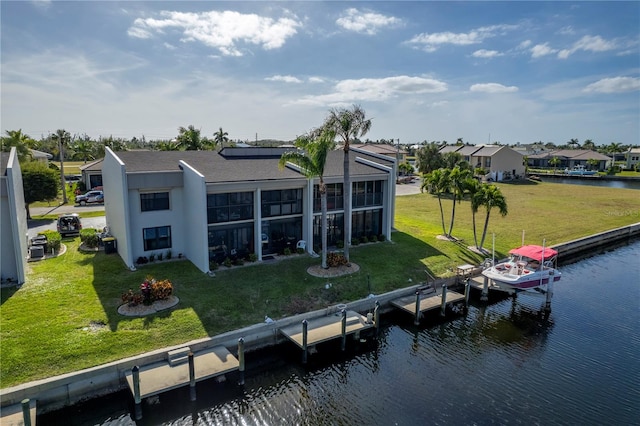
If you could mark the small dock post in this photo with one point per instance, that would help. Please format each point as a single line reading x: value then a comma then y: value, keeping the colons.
x: 241, y: 360
x: 192, y: 377
x: 547, y: 303
x: 26, y: 412
x: 485, y: 290
x: 135, y: 371
x: 305, y: 325
x: 343, y: 343
x: 376, y: 318
x: 416, y: 319
x: 467, y: 291
x: 443, y: 305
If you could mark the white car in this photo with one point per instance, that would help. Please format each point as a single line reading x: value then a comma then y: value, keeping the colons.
x: 91, y: 197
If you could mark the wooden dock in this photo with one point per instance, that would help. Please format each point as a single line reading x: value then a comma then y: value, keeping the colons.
x: 13, y: 416
x: 477, y: 282
x: 323, y: 329
x: 162, y: 376
x: 429, y: 300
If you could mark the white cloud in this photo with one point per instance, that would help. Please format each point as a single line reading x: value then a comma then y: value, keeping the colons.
x: 220, y: 30
x: 316, y: 80
x: 493, y: 88
x: 482, y: 53
x: 366, y: 22
x: 372, y: 89
x: 430, y: 42
x: 588, y: 44
x: 284, y: 79
x: 540, y: 50
x: 614, y: 85
x: 524, y: 44
x: 568, y: 30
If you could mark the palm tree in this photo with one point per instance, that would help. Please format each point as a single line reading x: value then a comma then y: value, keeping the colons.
x: 429, y: 158
x: 84, y: 149
x: 21, y: 141
x: 492, y: 197
x: 189, y: 138
x: 167, y: 146
x: 554, y: 162
x: 474, y: 189
x: 457, y: 179
x: 220, y: 137
x: 347, y: 124
x: 62, y: 137
x: 573, y: 144
x: 437, y: 182
x: 588, y: 144
x: 311, y: 157
x: 452, y: 159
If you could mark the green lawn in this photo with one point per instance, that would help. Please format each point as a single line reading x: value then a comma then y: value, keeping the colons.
x: 65, y: 317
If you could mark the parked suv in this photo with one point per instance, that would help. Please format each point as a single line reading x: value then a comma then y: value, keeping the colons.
x: 90, y: 197
x: 69, y: 224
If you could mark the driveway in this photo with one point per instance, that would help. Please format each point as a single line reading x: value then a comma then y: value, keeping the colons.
x: 36, y: 226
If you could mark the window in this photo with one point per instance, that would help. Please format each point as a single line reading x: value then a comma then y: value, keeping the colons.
x: 229, y: 207
x: 156, y: 238
x: 367, y: 193
x: 154, y: 201
x: 335, y: 199
x: 281, y: 202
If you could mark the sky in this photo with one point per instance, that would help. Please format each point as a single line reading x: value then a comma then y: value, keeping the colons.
x: 508, y: 72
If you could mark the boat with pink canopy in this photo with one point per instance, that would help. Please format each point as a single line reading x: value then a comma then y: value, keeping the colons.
x: 528, y: 267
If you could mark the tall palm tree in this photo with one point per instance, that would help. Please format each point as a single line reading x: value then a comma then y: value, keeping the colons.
x: 189, y: 138
x: 62, y: 137
x: 573, y: 144
x: 492, y: 197
x: 429, y: 158
x: 348, y: 124
x: 457, y: 179
x: 311, y: 157
x: 474, y: 189
x: 220, y: 138
x: 437, y: 182
x: 84, y: 149
x: 554, y: 162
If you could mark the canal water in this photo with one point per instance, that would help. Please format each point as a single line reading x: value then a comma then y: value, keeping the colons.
x: 504, y: 363
x: 611, y: 183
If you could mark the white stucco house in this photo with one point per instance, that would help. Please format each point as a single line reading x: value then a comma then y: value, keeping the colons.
x: 13, y: 220
x: 209, y: 205
x: 500, y: 162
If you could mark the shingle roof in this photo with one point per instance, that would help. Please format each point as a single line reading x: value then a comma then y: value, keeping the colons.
x: 450, y: 148
x: 487, y: 151
x: 216, y: 167
x: 574, y: 154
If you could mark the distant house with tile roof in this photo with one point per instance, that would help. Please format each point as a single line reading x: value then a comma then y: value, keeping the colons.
x: 384, y: 149
x: 209, y: 205
x: 570, y: 158
x: 13, y: 223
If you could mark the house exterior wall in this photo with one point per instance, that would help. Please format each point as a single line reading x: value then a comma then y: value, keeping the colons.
x: 633, y: 158
x: 194, y: 212
x: 116, y: 205
x: 13, y: 226
x: 508, y: 160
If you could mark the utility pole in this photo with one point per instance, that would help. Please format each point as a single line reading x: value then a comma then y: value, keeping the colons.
x: 62, y: 182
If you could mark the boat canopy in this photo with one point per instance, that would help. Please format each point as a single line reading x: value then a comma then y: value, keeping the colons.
x: 534, y: 252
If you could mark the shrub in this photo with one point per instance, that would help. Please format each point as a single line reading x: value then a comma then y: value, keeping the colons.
x: 150, y: 291
x: 159, y: 256
x: 373, y: 239
x: 300, y: 250
x: 355, y: 241
x: 252, y: 257
x: 142, y: 260
x: 54, y: 240
x: 168, y: 254
x: 213, y: 265
x: 227, y: 262
x: 152, y: 257
x: 381, y: 237
x: 287, y: 251
x: 336, y: 259
x: 89, y: 237
x: 239, y: 261
x: 161, y: 290
x: 364, y: 239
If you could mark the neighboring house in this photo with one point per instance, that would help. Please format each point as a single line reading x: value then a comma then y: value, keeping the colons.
x: 384, y: 149
x: 569, y: 158
x: 92, y: 174
x: 209, y: 205
x: 499, y: 161
x: 43, y: 157
x: 632, y: 157
x: 13, y: 220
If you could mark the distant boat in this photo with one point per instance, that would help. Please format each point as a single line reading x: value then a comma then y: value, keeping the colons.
x: 527, y: 268
x: 579, y: 170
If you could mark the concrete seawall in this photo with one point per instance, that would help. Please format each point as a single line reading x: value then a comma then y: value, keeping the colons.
x: 68, y: 389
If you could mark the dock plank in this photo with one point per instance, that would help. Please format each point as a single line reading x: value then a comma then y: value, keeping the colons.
x: 428, y: 301
x: 12, y: 414
x: 161, y: 377
x: 323, y: 329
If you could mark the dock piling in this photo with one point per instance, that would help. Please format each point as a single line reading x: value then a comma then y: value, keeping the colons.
x: 343, y: 344
x: 547, y: 303
x: 26, y: 412
x: 241, y: 360
x: 443, y: 305
x: 135, y: 371
x: 305, y: 326
x: 192, y: 377
x: 467, y: 291
x: 485, y: 290
x: 376, y: 318
x: 416, y: 319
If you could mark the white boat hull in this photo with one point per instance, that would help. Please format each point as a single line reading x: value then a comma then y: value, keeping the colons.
x: 524, y: 281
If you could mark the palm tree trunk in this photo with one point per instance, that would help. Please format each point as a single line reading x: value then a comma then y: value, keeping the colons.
x: 486, y: 225
x: 444, y: 231
x: 347, y: 203
x: 453, y: 215
x: 475, y: 234
x: 323, y: 207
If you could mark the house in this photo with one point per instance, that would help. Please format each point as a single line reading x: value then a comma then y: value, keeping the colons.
x: 13, y: 220
x: 384, y: 149
x: 570, y: 158
x: 209, y: 205
x: 500, y: 162
x: 632, y: 157
x: 92, y: 174
x: 41, y: 156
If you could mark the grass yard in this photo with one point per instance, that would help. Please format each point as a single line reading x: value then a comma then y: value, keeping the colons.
x: 65, y: 317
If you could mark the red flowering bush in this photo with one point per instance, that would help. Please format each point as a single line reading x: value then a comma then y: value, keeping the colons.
x: 150, y: 291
